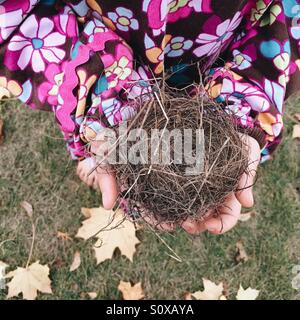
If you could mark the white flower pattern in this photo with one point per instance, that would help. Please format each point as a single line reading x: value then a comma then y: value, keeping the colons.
x: 37, y: 44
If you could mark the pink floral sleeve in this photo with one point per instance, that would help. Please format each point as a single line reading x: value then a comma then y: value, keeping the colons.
x: 49, y: 65
x: 261, y: 71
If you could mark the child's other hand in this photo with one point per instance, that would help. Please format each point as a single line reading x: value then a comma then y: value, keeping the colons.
x: 231, y: 210
x: 101, y: 178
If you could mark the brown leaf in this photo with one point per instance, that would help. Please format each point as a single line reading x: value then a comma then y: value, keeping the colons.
x: 296, y: 131
x: 28, y: 208
x: 131, y: 292
x: 29, y: 281
x: 1, y: 131
x: 76, y: 261
x: 63, y: 236
x: 248, y: 294
x: 113, y: 231
x: 241, y: 255
x: 211, y: 291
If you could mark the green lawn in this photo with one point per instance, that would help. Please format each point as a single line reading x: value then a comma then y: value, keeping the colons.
x: 34, y: 166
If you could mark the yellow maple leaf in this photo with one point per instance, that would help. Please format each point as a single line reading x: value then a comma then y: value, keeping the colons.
x: 131, y: 292
x: 211, y: 291
x: 113, y: 231
x: 248, y: 294
x: 28, y: 281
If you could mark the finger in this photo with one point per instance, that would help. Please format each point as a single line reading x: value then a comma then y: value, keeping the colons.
x: 159, y: 226
x: 228, y: 218
x: 108, y: 186
x: 245, y: 196
x: 193, y: 227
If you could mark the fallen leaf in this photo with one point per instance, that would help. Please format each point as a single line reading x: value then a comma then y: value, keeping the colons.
x: 28, y: 208
x: 211, y: 291
x: 113, y: 231
x: 63, y: 236
x: 296, y: 131
x: 297, y: 116
x: 131, y: 292
x: 1, y: 131
x: 241, y: 255
x: 76, y: 261
x: 248, y: 294
x: 29, y: 281
x: 92, y: 295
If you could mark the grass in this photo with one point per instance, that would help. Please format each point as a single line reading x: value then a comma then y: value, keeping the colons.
x: 34, y: 166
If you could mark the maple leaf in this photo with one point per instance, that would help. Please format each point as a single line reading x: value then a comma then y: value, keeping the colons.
x: 113, y: 231
x: 76, y: 261
x: 28, y: 281
x: 131, y: 292
x: 211, y: 291
x: 248, y: 294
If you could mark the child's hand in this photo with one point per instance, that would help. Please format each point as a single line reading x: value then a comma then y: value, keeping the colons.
x: 100, y: 178
x: 231, y: 210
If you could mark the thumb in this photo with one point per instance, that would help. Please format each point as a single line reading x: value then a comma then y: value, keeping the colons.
x: 245, y: 195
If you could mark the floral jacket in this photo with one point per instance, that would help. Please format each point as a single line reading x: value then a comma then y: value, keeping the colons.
x: 85, y: 59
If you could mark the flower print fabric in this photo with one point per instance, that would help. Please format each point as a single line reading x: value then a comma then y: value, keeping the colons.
x: 78, y: 58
